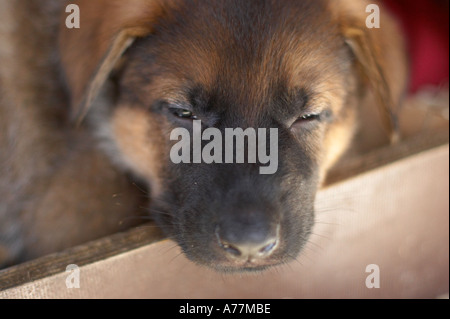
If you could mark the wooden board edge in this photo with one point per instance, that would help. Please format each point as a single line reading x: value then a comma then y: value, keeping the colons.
x: 141, y: 236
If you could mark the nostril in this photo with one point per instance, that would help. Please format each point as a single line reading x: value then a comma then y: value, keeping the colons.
x: 245, y: 249
x: 231, y: 249
x: 268, y: 248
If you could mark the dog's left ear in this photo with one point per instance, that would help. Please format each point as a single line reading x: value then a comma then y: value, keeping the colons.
x: 380, y: 56
x: 107, y: 29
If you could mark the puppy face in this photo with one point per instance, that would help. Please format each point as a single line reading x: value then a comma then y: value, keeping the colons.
x: 282, y: 65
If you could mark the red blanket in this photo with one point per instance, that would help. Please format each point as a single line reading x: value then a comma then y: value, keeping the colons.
x: 426, y: 26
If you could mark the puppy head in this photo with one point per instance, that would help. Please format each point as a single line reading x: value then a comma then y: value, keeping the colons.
x: 145, y: 68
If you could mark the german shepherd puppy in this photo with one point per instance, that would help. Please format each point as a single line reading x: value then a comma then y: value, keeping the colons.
x: 136, y: 70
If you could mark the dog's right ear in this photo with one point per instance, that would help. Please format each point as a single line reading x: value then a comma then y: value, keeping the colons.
x: 107, y: 29
x: 379, y: 54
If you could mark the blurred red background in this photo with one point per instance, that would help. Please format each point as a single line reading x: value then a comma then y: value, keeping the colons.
x: 426, y: 26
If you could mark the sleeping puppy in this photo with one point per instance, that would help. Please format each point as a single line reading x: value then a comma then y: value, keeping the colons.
x: 138, y: 70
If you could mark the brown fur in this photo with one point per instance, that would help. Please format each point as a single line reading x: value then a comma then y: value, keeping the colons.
x: 380, y: 55
x: 131, y: 129
x: 57, y: 189
x: 133, y: 137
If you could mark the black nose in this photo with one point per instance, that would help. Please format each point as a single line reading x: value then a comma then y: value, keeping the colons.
x: 248, y: 242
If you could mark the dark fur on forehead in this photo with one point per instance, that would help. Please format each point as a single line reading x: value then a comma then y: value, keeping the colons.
x: 245, y: 54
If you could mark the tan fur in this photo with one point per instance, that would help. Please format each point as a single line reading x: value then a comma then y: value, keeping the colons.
x: 132, y: 132
x: 383, y: 65
x: 59, y: 189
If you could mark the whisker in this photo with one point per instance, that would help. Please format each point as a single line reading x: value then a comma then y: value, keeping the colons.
x: 293, y: 259
x: 173, y: 259
x: 321, y: 236
x: 159, y: 212
x: 135, y: 218
x: 139, y: 188
x: 167, y: 249
x: 325, y: 223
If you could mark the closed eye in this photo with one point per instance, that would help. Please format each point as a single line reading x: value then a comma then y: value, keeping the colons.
x: 307, y: 120
x: 309, y: 117
x: 182, y: 113
x: 311, y: 120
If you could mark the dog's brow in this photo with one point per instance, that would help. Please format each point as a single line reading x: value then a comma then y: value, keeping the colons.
x: 299, y: 97
x: 200, y: 99
x: 294, y: 100
x: 196, y: 97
